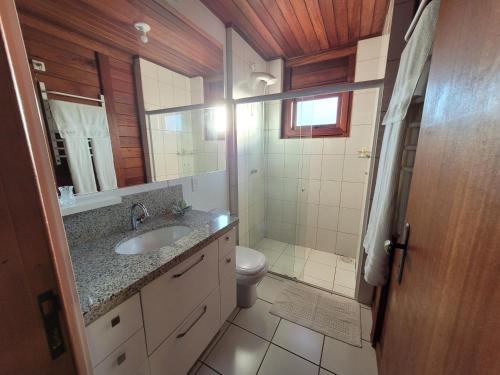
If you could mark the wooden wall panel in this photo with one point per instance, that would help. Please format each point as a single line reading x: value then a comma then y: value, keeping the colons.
x: 72, y: 66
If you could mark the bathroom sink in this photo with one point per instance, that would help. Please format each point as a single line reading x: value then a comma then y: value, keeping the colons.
x: 153, y: 240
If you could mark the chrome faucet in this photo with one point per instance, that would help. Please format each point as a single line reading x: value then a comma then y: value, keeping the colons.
x: 136, y: 220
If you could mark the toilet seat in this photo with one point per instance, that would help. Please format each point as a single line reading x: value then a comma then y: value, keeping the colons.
x: 249, y: 261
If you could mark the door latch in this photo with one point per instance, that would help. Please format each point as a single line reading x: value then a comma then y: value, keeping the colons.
x: 49, y: 305
x: 390, y: 247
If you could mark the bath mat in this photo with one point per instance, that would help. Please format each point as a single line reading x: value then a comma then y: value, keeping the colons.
x: 332, y: 315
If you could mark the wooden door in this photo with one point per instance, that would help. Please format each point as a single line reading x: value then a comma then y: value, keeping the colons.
x: 27, y: 276
x: 445, y: 316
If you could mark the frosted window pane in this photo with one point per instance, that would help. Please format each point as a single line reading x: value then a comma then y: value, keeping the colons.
x: 317, y: 112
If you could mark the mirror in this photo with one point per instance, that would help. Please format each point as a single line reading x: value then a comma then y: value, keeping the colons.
x: 180, y: 139
x: 106, y: 80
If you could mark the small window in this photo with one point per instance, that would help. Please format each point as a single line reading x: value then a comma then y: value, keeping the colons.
x: 318, y: 116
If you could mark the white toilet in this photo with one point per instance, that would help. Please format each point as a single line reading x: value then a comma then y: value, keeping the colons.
x: 251, y: 267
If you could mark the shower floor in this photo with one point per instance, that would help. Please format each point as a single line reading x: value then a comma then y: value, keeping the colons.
x: 319, y: 268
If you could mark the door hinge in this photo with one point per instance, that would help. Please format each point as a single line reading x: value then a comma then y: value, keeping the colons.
x: 50, y: 305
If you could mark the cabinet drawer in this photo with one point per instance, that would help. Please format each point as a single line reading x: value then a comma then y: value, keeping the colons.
x: 227, y: 242
x: 167, y: 300
x: 181, y: 350
x: 112, y: 329
x: 227, y: 265
x: 127, y: 359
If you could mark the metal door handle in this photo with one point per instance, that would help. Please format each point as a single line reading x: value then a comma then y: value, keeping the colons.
x: 390, y: 247
x: 191, y: 266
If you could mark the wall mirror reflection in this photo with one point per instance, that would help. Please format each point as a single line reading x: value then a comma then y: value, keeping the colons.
x: 98, y: 74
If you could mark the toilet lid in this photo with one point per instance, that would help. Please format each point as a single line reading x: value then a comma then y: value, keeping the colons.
x: 249, y: 261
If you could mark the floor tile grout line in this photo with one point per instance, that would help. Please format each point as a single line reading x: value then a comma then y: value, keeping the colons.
x: 321, y: 355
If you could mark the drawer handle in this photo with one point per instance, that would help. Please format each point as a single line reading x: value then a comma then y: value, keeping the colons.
x: 115, y: 321
x: 228, y: 260
x: 191, y: 266
x: 182, y: 334
x: 121, y: 358
x: 227, y: 238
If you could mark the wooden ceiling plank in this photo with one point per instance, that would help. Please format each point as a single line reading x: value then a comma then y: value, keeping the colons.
x: 97, y: 25
x: 341, y: 20
x: 354, y: 19
x: 268, y: 9
x: 254, y: 19
x: 317, y: 22
x: 367, y: 12
x: 293, y: 22
x: 164, y: 28
x: 231, y: 15
x: 379, y: 15
x: 305, y: 22
x: 326, y: 8
x: 62, y: 32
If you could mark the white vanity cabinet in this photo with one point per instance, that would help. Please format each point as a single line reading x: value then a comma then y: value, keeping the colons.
x: 164, y: 328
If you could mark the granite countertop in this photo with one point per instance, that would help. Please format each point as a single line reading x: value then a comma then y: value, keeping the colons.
x: 105, y: 279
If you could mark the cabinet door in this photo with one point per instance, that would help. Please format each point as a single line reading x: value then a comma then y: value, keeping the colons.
x: 167, y: 300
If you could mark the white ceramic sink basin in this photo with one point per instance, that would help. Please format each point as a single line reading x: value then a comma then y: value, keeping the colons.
x: 153, y: 240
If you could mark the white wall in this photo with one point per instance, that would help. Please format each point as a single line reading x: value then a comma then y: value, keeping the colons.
x: 315, y: 188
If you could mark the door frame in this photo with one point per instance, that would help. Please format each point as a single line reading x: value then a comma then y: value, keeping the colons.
x: 40, y: 157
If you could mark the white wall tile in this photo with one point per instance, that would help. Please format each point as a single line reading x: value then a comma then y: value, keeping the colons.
x: 349, y: 220
x: 355, y: 169
x: 312, y: 146
x: 275, y: 165
x: 326, y: 240
x: 360, y: 136
x: 330, y: 193
x: 311, y: 167
x: 292, y: 165
x: 306, y: 236
x: 347, y: 244
x: 328, y: 217
x: 352, y: 195
x: 334, y: 145
x: 332, y: 166
x: 308, y: 214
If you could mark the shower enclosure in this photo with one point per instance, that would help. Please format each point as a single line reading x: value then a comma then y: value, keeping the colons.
x: 301, y: 199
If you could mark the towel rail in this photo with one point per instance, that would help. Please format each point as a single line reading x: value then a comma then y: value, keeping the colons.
x: 54, y: 136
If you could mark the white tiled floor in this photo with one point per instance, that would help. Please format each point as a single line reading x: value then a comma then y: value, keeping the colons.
x: 253, y: 341
x: 325, y: 270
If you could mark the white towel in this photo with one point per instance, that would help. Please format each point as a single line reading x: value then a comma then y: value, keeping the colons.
x: 103, y: 162
x: 80, y: 164
x: 75, y: 122
x: 412, y: 64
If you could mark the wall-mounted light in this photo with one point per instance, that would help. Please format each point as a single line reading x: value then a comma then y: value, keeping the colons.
x: 143, y: 28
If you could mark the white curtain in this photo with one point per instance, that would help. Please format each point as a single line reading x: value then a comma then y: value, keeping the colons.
x: 413, y: 60
x: 76, y: 122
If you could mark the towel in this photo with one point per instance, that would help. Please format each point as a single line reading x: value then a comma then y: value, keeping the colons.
x: 76, y: 124
x: 412, y: 64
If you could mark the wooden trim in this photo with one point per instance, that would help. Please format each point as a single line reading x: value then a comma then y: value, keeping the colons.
x: 340, y: 129
x: 320, y: 57
x: 142, y: 117
x: 34, y: 130
x: 104, y: 71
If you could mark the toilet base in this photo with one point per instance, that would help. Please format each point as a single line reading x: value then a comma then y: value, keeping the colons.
x: 246, y: 295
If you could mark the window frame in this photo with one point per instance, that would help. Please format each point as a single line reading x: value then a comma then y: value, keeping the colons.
x: 340, y: 129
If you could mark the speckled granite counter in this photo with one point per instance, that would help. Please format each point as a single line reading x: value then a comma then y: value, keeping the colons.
x: 105, y: 279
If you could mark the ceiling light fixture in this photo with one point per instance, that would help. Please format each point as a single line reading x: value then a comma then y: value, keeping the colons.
x: 143, y: 28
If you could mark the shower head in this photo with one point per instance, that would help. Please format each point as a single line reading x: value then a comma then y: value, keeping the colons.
x: 265, y: 77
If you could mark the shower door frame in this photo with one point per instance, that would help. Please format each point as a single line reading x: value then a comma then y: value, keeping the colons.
x: 315, y: 91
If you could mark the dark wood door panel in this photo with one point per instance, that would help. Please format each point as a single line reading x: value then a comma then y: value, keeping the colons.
x: 443, y: 318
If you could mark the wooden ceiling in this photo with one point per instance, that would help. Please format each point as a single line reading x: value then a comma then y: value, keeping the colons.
x: 290, y: 28
x: 173, y: 41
